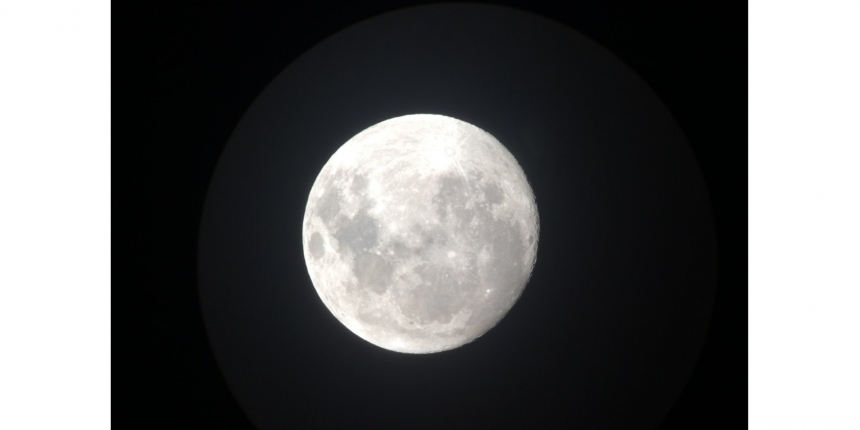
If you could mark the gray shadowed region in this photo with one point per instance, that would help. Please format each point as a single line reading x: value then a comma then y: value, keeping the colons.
x: 372, y: 271
x: 454, y: 198
x: 493, y: 193
x: 359, y: 233
x: 316, y: 246
x: 328, y: 206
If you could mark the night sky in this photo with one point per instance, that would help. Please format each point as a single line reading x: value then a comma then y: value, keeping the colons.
x: 607, y: 332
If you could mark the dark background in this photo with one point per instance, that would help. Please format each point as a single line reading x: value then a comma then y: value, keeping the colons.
x: 185, y: 75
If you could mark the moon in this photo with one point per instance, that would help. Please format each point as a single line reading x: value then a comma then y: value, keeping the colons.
x: 420, y: 233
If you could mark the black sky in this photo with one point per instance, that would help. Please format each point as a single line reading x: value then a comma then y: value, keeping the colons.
x: 184, y: 76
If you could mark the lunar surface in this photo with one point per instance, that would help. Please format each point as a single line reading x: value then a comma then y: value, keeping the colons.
x: 420, y: 233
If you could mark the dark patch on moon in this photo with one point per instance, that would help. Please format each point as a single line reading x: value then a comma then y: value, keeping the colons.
x: 443, y: 293
x: 359, y: 233
x: 453, y: 198
x: 373, y: 272
x: 328, y: 206
x: 400, y: 249
x: 359, y: 184
x: 504, y: 271
x: 429, y: 238
x: 508, y: 252
x: 316, y: 246
x: 493, y: 193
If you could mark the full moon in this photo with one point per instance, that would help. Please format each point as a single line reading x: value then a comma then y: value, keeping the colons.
x: 420, y: 233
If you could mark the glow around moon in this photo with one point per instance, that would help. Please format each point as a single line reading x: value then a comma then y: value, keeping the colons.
x: 420, y: 233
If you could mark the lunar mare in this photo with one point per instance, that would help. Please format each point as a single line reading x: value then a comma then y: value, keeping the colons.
x: 420, y: 233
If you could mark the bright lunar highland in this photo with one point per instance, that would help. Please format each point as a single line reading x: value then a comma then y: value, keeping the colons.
x: 420, y: 233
